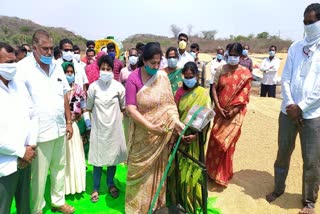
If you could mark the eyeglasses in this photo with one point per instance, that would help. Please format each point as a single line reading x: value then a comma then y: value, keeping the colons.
x: 66, y: 50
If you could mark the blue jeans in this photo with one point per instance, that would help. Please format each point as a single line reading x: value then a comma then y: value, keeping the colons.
x: 97, y: 171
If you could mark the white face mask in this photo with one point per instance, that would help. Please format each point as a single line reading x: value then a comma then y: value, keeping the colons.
x: 76, y: 57
x: 312, y: 31
x: 8, y: 70
x: 106, y: 76
x: 133, y: 60
x: 233, y: 60
x: 67, y: 55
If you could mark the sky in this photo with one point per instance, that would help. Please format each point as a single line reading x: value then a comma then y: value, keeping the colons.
x: 96, y: 19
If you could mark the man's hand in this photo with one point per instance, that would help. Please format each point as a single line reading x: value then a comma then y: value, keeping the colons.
x: 293, y: 111
x: 22, y: 163
x: 29, y: 154
x: 69, y: 130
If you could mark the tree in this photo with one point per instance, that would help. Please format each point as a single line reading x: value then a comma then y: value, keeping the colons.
x: 210, y: 34
x: 175, y: 30
x: 250, y: 36
x: 263, y: 35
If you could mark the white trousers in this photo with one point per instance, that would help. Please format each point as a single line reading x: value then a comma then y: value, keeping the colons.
x: 51, y: 155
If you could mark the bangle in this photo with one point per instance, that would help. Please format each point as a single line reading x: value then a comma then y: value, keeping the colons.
x: 69, y: 122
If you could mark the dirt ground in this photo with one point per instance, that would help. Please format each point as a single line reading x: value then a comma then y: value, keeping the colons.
x: 253, y: 165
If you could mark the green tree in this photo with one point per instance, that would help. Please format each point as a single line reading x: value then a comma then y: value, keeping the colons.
x: 263, y: 35
x: 209, y: 34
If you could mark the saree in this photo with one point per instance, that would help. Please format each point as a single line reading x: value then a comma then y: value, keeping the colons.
x: 175, y: 78
x: 233, y: 89
x: 148, y: 153
x: 189, y: 173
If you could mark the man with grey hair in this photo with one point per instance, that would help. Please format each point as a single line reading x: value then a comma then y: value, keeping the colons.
x: 48, y: 87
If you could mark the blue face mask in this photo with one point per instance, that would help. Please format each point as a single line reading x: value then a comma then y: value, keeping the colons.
x: 233, y: 60
x: 193, y: 54
x: 46, y: 59
x: 219, y: 56
x: 112, y: 54
x: 272, y: 53
x: 245, y: 52
x: 190, y: 83
x: 172, y: 62
x: 70, y: 78
x: 150, y: 71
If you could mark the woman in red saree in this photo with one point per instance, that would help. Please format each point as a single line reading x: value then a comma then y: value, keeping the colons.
x: 231, y: 88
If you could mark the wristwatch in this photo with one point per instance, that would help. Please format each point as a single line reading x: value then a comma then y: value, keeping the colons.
x: 69, y: 122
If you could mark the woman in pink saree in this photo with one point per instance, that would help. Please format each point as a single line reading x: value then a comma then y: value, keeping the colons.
x: 154, y: 115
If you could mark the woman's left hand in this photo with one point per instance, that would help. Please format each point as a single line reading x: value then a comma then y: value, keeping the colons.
x: 231, y: 113
x: 189, y: 138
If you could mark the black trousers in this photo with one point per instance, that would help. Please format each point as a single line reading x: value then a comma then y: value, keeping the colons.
x: 268, y: 89
x: 16, y: 185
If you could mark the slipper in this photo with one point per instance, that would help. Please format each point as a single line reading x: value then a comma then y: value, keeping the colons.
x: 113, y: 191
x: 94, y: 196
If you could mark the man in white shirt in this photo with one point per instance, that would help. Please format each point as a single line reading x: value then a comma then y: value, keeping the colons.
x: 269, y: 67
x: 77, y: 56
x: 215, y: 64
x: 66, y: 47
x: 300, y: 112
x: 18, y: 136
x: 184, y: 56
x: 48, y: 87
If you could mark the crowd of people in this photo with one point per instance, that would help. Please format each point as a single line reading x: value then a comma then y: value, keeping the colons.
x: 52, y: 99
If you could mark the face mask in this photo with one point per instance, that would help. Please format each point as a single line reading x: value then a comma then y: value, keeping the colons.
x: 46, y: 59
x: 182, y: 45
x: 312, y: 31
x: 150, y: 71
x: 272, y: 53
x: 172, y: 62
x: 245, y: 52
x: 193, y: 54
x: 219, y: 56
x: 133, y: 60
x: 76, y: 57
x: 67, y: 55
x: 233, y: 60
x: 8, y: 70
x: 190, y: 83
x: 70, y: 78
x: 112, y: 54
x: 28, y: 53
x: 106, y: 76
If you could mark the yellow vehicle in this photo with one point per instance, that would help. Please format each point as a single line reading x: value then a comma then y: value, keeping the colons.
x: 101, y: 43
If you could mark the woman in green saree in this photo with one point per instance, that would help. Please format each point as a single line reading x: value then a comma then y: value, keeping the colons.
x: 187, y: 96
x: 174, y: 73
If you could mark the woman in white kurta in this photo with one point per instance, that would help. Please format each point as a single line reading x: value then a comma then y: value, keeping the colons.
x: 75, y: 175
x: 107, y: 141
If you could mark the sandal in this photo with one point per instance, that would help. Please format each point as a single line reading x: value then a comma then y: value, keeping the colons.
x: 94, y: 196
x: 113, y: 191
